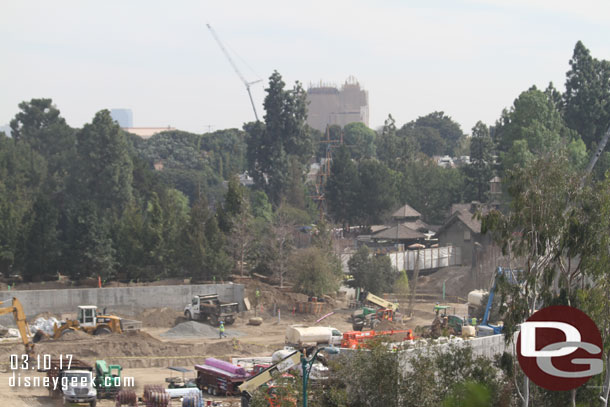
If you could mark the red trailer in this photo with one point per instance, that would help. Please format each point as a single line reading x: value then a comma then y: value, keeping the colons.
x: 218, y: 377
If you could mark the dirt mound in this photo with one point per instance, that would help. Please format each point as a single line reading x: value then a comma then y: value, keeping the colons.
x: 386, y: 325
x: 270, y: 295
x: 194, y: 328
x: 235, y: 346
x: 457, y: 281
x: 72, y: 335
x: 160, y: 317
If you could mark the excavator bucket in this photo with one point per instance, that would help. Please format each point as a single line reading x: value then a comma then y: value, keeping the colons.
x: 40, y: 335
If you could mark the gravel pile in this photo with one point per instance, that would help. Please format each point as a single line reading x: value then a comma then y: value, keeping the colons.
x: 194, y: 328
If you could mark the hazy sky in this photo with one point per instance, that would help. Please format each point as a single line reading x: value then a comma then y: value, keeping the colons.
x: 469, y: 59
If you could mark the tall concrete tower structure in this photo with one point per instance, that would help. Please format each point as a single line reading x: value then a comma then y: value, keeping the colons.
x: 330, y: 105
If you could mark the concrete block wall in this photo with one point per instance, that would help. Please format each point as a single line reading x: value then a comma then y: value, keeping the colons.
x: 117, y: 299
x: 488, y: 347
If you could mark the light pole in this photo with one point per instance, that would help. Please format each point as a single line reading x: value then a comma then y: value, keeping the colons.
x: 306, y: 366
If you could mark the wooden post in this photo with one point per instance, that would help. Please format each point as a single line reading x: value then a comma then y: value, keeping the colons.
x: 414, y: 288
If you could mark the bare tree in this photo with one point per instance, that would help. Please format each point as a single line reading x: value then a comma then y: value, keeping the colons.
x: 242, y: 235
x: 282, y: 228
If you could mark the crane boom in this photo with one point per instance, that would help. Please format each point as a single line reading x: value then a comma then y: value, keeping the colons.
x: 17, y: 310
x: 237, y: 71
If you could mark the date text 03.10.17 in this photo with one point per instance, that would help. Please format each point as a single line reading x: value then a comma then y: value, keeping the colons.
x: 40, y: 362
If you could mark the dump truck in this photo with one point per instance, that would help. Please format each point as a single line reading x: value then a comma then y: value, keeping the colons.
x: 74, y: 379
x: 300, y: 336
x: 107, y: 379
x: 91, y: 322
x: 209, y: 307
x: 218, y: 377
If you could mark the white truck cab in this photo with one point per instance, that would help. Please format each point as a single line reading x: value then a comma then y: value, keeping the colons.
x: 87, y: 315
x: 79, y: 387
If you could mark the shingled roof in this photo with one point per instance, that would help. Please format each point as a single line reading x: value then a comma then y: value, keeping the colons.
x: 399, y: 232
x: 466, y: 217
x: 406, y: 212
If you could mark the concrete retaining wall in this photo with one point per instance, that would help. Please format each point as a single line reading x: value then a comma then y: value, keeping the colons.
x: 117, y: 299
x: 488, y: 347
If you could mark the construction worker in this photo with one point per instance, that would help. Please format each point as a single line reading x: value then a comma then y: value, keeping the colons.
x: 221, y: 330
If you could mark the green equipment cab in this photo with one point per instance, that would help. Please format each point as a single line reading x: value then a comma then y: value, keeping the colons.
x: 107, y: 379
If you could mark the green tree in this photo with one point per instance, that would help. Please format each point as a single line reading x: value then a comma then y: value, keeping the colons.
x: 587, y: 96
x: 448, y: 129
x: 195, y: 240
x: 175, y: 209
x: 377, y: 192
x: 284, y: 134
x: 401, y: 285
x: 371, y: 273
x: 395, y: 148
x: 532, y: 127
x: 360, y: 140
x: 40, y: 125
x: 480, y: 170
x: 104, y: 171
x: 141, y: 248
x: 217, y: 264
x: 555, y: 229
x: 261, y: 207
x: 41, y: 249
x: 430, y: 189
x: 23, y: 173
x: 315, y: 271
x: 89, y: 250
x: 342, y: 188
x: 232, y: 207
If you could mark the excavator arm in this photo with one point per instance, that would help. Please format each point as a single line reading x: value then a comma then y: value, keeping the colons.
x: 17, y: 309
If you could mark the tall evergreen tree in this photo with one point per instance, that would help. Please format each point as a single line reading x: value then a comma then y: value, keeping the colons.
x: 104, y: 170
x: 587, y: 95
x: 89, y: 250
x: 40, y: 247
x: 342, y: 188
x: 283, y: 135
x: 40, y: 125
x: 480, y: 171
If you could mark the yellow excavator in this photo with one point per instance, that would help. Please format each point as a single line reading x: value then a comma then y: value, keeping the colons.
x: 24, y: 330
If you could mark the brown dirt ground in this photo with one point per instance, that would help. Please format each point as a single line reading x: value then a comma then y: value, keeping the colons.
x: 145, y: 355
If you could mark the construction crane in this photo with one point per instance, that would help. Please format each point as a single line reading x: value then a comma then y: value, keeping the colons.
x: 243, y: 79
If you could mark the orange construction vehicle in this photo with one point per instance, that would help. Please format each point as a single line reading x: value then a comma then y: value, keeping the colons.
x: 17, y: 309
x: 358, y: 339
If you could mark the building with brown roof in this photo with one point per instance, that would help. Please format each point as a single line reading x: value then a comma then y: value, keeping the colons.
x: 463, y: 229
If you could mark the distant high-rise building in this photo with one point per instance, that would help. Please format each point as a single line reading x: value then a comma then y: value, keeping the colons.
x: 124, y: 117
x: 329, y: 105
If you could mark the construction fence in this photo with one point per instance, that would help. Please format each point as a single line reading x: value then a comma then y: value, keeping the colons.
x: 431, y: 258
